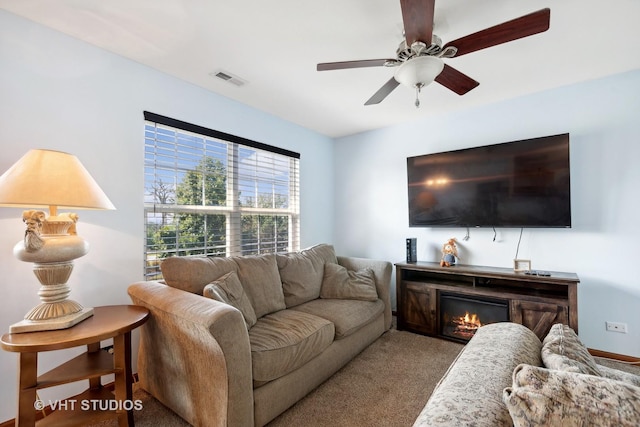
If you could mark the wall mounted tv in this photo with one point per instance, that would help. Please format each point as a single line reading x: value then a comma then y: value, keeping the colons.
x: 515, y: 184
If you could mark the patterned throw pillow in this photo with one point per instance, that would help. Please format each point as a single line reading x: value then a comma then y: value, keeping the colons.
x: 563, y: 350
x: 228, y: 289
x: 545, y: 397
x: 340, y: 283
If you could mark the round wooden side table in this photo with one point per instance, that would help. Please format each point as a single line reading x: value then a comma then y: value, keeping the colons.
x: 97, y: 402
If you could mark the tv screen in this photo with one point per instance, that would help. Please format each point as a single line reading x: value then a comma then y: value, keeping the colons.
x: 515, y: 184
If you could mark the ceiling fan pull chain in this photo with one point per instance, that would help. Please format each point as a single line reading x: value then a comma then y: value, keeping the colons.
x: 418, y: 87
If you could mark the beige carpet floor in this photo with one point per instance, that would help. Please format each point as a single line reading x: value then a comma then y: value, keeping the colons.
x: 386, y: 385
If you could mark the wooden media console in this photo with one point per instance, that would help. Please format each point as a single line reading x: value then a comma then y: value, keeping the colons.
x: 535, y: 301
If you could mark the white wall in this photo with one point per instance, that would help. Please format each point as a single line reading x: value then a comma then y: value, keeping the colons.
x: 602, y: 246
x: 59, y: 93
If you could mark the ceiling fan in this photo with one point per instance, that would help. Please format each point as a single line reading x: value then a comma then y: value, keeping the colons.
x: 418, y: 58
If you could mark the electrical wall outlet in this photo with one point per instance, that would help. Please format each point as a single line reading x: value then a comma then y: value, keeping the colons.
x: 616, y: 327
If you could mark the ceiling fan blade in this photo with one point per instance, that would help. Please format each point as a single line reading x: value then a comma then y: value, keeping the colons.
x: 326, y: 66
x: 417, y: 17
x: 527, y: 25
x: 455, y: 80
x: 383, y: 92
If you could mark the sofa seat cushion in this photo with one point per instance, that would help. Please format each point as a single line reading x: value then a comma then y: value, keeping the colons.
x: 346, y: 315
x: 283, y: 341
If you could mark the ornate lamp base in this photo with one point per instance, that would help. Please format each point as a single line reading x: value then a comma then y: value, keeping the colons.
x: 62, y: 322
x: 53, y: 263
x: 55, y: 311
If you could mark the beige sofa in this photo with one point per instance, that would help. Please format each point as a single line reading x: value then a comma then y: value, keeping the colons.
x: 270, y: 329
x: 505, y: 376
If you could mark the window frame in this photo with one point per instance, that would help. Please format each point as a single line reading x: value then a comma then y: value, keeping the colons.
x: 233, y: 210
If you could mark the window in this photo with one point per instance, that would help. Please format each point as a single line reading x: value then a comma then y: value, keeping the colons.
x: 208, y: 193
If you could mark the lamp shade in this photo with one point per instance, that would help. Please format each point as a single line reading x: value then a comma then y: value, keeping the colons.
x: 419, y: 71
x: 45, y: 178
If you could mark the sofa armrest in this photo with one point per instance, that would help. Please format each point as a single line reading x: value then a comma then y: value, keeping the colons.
x: 195, y: 356
x: 470, y: 392
x: 382, y: 274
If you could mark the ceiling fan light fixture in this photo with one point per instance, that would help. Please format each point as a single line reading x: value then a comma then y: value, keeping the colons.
x: 419, y: 72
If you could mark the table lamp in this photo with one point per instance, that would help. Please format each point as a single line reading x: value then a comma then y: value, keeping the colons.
x: 51, y: 179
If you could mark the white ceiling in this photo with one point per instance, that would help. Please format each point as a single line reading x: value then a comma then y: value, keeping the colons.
x: 275, y: 47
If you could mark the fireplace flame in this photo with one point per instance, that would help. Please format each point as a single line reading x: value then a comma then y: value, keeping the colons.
x: 472, y: 320
x: 466, y: 325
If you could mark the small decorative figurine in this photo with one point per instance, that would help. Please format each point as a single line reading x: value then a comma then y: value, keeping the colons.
x: 449, y: 253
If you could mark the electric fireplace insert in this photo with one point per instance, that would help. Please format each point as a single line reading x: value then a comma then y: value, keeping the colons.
x: 461, y: 316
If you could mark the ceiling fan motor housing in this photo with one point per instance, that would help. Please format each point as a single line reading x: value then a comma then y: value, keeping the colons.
x: 418, y: 48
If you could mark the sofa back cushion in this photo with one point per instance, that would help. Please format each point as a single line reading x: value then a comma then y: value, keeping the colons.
x: 261, y: 281
x: 193, y: 274
x: 302, y: 273
x: 563, y: 350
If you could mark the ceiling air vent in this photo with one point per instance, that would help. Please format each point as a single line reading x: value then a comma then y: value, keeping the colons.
x: 228, y: 77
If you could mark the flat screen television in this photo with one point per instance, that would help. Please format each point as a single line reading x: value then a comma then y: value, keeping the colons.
x: 515, y: 184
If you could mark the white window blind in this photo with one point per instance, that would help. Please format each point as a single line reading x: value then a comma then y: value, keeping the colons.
x: 208, y: 193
